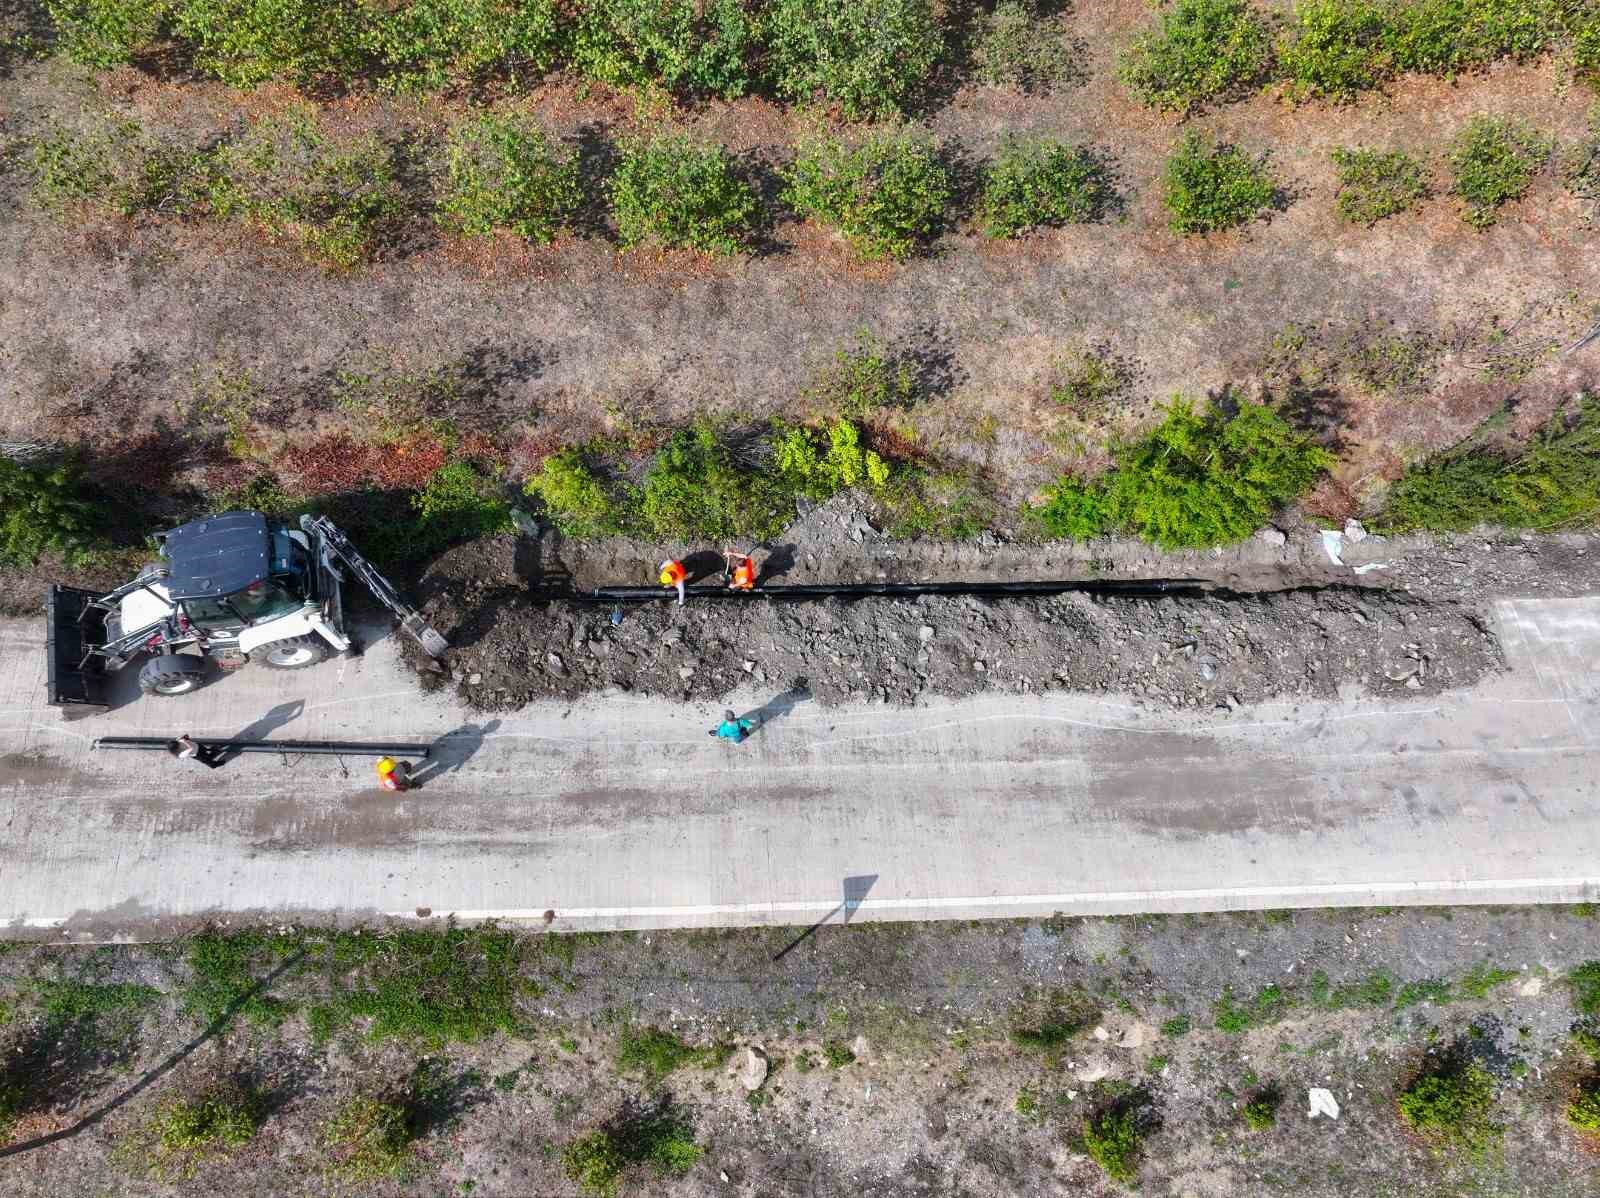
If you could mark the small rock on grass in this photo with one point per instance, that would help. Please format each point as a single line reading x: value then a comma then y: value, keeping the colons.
x: 750, y: 1065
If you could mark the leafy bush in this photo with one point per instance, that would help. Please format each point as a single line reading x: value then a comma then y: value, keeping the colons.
x: 1261, y: 1112
x: 871, y: 57
x: 1585, y: 49
x: 369, y: 1139
x: 1048, y: 1020
x: 1111, y: 1138
x: 1197, y: 480
x: 425, y: 44
x: 1207, y: 186
x: 677, y: 193
x: 1495, y: 160
x: 695, y: 489
x: 184, y: 1132
x: 821, y: 463
x: 503, y: 174
x: 862, y: 379
x: 1553, y: 482
x: 105, y: 33
x: 247, y: 42
x: 656, y: 1053
x: 1270, y: 1004
x: 1089, y: 379
x: 1580, y: 165
x: 1201, y: 50
x: 950, y: 504
x: 43, y: 509
x: 1023, y: 48
x: 1336, y: 49
x: 884, y: 194
x: 700, y: 48
x: 659, y: 1139
x: 337, y: 199
x: 457, y: 504
x: 1178, y: 1025
x: 575, y: 500
x: 1039, y: 182
x: 1450, y: 1104
x: 838, y: 1054
x: 1374, y: 184
x: 1583, y: 1112
x: 1447, y: 37
x: 1584, y: 982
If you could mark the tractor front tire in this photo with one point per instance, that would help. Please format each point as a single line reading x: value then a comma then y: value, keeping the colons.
x: 291, y: 653
x: 172, y: 674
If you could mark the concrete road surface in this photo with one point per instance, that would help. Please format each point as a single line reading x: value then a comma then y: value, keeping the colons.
x: 620, y: 812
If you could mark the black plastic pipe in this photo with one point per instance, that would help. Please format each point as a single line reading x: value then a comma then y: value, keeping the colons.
x: 326, y: 748
x: 1126, y: 586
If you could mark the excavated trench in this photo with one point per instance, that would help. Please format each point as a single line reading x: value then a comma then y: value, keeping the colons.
x: 1184, y: 643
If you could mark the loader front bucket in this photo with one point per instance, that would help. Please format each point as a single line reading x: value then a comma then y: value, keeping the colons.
x: 75, y: 674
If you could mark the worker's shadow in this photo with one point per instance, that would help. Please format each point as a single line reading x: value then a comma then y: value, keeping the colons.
x: 280, y: 715
x: 780, y: 705
x: 703, y: 564
x: 452, y: 751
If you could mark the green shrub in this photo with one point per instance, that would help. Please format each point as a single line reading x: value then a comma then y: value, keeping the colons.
x: 1261, y: 1112
x: 821, y: 463
x: 1447, y: 37
x: 862, y: 379
x: 871, y: 57
x: 1088, y: 380
x: 1270, y: 1004
x: 1207, y: 187
x: 1584, y: 982
x: 695, y: 489
x: 503, y: 174
x: 456, y: 504
x: 44, y: 509
x: 1040, y: 182
x: 698, y: 48
x: 247, y: 42
x: 656, y: 1053
x: 676, y: 193
x: 1429, y: 990
x: 1197, y: 480
x: 1023, y: 48
x: 837, y: 1053
x: 105, y: 33
x: 116, y: 164
x: 1585, y: 48
x: 575, y: 500
x: 1495, y: 160
x: 185, y: 1132
x: 1336, y: 49
x: 369, y: 1139
x: 1112, y: 1140
x: 885, y: 194
x: 1201, y: 50
x: 1048, y: 1020
x: 425, y: 44
x: 660, y: 1139
x: 1178, y: 1025
x: 1583, y: 1111
x: 1450, y: 1104
x: 340, y: 200
x: 1482, y: 978
x: 1553, y: 482
x: 1374, y: 184
x: 1580, y: 166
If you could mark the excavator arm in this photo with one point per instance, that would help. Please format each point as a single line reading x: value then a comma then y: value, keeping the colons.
x: 335, y: 550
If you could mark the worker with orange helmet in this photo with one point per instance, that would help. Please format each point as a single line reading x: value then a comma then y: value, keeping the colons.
x: 673, y: 575
x: 393, y: 775
x: 738, y: 570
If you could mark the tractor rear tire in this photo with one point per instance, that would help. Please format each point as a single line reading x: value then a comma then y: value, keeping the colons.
x: 172, y: 674
x: 291, y: 653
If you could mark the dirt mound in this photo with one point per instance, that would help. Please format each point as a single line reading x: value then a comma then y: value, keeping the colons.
x: 1191, y: 651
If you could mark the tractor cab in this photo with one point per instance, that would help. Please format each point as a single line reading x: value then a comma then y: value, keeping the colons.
x: 233, y: 571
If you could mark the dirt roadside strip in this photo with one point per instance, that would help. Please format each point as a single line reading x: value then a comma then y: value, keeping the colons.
x: 616, y: 811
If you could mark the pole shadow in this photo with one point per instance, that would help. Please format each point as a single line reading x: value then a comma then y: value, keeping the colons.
x: 280, y: 715
x: 176, y: 1058
x: 855, y: 891
x: 451, y: 751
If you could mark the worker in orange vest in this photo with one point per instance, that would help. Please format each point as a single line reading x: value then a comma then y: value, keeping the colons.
x: 738, y: 570
x: 672, y: 575
x: 393, y: 775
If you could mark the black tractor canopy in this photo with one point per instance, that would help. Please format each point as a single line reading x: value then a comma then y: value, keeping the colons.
x: 217, y: 556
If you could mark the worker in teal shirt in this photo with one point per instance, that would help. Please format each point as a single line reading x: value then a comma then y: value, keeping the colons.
x: 734, y: 728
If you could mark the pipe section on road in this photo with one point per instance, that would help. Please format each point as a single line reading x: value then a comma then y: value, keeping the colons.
x: 323, y: 748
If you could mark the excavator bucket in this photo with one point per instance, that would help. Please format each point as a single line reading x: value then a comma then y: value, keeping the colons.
x: 74, y: 628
